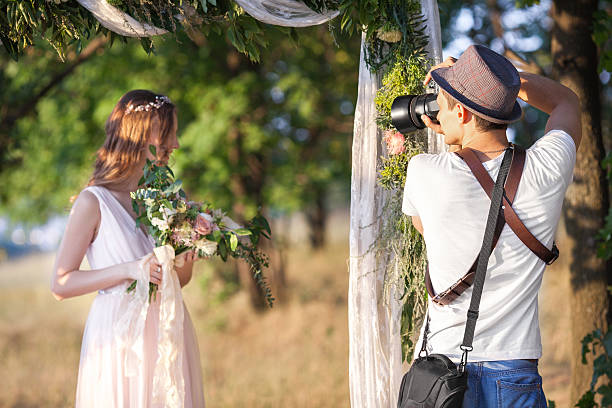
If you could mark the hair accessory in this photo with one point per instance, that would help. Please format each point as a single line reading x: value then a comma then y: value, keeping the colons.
x: 149, y: 106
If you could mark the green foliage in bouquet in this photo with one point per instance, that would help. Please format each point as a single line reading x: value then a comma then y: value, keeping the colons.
x: 161, y: 206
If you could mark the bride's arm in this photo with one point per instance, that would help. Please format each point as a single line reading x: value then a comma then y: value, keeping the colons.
x: 67, y: 280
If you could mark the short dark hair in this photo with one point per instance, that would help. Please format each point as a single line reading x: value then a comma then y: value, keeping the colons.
x: 481, y: 123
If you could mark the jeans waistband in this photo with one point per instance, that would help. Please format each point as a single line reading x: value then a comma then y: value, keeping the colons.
x: 504, y: 365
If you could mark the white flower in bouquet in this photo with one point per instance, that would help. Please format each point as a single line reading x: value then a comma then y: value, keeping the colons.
x: 160, y: 224
x: 168, y: 213
x: 206, y: 247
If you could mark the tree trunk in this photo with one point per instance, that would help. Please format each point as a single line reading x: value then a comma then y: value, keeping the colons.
x: 317, y: 219
x: 586, y: 203
x: 250, y: 183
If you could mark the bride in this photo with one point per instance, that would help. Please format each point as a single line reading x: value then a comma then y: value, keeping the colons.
x: 120, y: 364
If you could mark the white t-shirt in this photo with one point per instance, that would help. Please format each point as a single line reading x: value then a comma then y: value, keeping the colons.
x: 453, y: 207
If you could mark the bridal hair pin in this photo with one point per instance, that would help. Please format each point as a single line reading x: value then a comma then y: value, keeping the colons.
x: 147, y: 107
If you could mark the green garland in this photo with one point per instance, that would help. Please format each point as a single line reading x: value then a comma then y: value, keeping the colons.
x: 395, y: 48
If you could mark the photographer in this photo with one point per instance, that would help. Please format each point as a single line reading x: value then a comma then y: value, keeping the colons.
x: 449, y: 207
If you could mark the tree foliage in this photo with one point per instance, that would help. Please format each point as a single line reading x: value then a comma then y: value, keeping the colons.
x: 276, y: 130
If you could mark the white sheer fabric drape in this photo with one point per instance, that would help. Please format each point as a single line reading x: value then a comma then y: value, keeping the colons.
x: 375, y: 367
x: 119, y: 22
x: 287, y: 13
x: 375, y: 356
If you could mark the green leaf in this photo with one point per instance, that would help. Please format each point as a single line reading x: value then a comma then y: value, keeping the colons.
x: 222, y: 249
x: 233, y: 242
x: 242, y: 231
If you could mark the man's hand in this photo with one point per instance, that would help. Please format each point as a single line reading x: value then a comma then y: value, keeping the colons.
x: 436, y: 127
x: 449, y: 62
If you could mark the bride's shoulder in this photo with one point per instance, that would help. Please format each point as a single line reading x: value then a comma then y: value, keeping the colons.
x: 87, y: 202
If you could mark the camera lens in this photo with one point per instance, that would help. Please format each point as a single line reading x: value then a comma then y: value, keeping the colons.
x: 406, y: 111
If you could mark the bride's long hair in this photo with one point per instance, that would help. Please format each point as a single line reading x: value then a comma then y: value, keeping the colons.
x: 128, y: 134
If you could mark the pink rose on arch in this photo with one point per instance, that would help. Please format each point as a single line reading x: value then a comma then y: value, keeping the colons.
x: 203, y: 224
x: 395, y: 142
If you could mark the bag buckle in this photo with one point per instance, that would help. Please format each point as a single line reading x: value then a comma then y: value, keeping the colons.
x: 463, y: 362
x: 555, y: 252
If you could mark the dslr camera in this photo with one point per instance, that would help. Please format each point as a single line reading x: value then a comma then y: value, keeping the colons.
x: 406, y: 111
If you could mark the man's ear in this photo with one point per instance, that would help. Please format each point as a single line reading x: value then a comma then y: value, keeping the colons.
x: 463, y: 115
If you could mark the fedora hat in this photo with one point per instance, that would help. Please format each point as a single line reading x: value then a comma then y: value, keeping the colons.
x: 483, y: 81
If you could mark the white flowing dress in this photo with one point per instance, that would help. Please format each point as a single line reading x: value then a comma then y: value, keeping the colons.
x: 105, y: 380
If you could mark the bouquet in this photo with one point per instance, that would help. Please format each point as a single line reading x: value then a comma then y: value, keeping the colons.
x: 162, y: 207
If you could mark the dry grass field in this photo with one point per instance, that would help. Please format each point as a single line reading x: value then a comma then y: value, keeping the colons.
x: 295, y: 355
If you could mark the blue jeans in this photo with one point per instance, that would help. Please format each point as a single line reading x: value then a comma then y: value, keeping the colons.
x: 504, y: 384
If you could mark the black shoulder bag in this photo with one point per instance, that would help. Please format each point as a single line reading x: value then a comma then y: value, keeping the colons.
x: 433, y: 380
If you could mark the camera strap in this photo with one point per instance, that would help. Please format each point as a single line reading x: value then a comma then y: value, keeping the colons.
x: 494, y: 218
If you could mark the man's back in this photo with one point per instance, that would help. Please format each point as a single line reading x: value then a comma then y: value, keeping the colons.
x: 453, y: 207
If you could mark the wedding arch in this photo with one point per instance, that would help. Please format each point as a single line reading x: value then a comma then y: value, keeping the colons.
x: 385, y: 291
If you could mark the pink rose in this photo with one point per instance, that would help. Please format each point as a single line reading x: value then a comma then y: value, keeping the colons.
x: 395, y: 142
x: 203, y: 224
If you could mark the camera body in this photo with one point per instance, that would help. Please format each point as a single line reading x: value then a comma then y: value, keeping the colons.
x: 406, y: 111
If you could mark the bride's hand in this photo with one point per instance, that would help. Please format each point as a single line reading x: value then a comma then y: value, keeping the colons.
x: 185, y: 258
x: 150, y: 264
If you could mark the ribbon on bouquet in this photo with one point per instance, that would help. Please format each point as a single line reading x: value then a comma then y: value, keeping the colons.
x: 168, y: 382
x: 130, y: 327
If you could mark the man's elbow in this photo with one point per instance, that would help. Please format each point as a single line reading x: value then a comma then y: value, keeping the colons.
x: 573, y: 99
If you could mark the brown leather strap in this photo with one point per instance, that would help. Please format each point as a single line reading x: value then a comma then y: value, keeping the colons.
x: 512, y: 182
x: 486, y: 182
x: 514, y: 222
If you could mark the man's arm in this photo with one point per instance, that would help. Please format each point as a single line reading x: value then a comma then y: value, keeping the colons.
x: 416, y: 221
x: 560, y: 102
